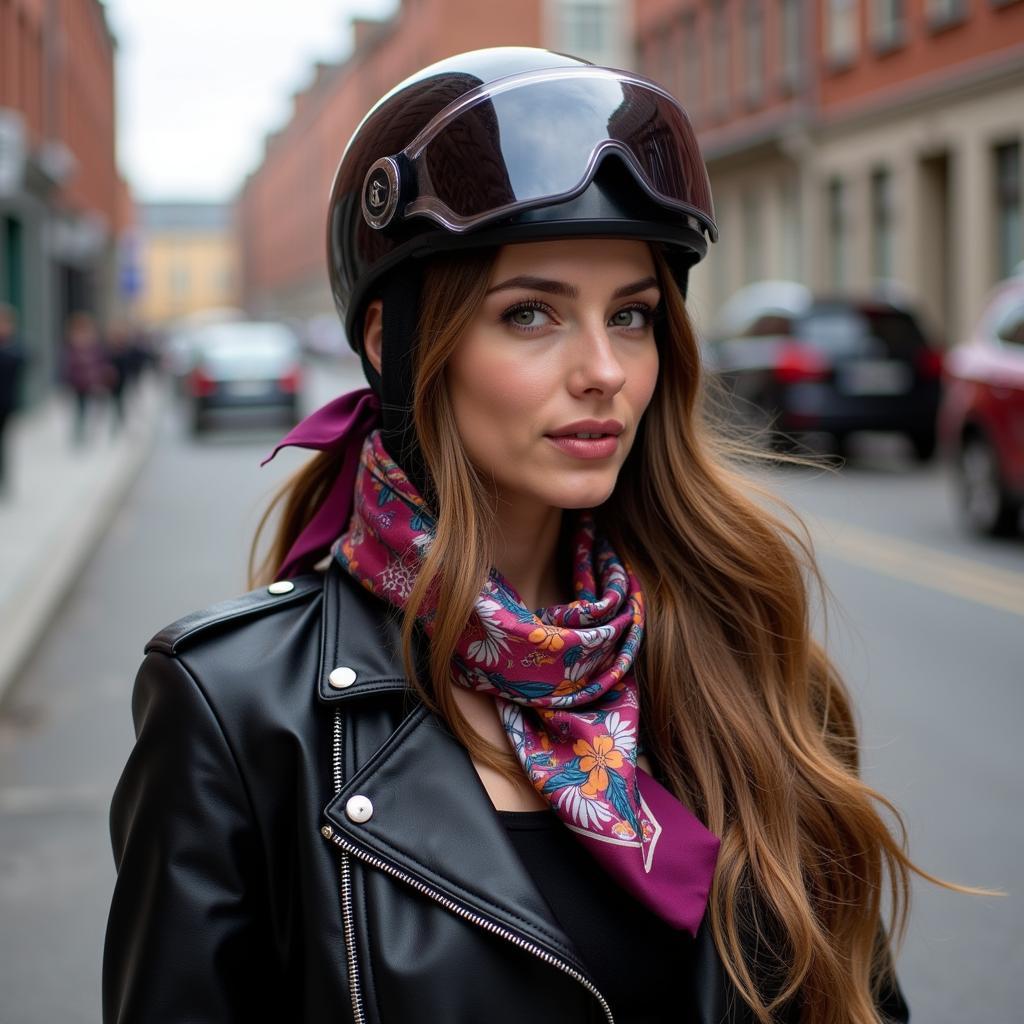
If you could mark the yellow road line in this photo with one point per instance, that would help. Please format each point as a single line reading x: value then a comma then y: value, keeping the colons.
x: 926, y: 566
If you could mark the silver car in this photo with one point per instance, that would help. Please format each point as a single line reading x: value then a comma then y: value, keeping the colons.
x: 245, y: 365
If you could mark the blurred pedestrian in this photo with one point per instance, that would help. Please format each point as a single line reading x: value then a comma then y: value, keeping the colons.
x: 525, y: 720
x: 122, y: 356
x: 12, y: 361
x: 86, y: 371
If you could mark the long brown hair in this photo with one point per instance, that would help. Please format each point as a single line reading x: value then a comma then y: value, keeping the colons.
x: 747, y: 716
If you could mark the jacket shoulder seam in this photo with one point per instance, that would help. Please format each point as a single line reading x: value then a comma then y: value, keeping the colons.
x: 174, y: 638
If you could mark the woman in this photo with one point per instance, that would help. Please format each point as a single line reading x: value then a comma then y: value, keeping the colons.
x: 526, y: 721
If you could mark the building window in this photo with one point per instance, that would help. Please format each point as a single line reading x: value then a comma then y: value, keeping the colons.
x: 841, y: 40
x: 789, y: 202
x: 889, y: 28
x: 721, y: 69
x: 753, y: 240
x: 589, y: 28
x: 179, y: 280
x: 837, y: 229
x: 692, y: 68
x: 881, y: 224
x: 223, y: 280
x: 718, y: 259
x: 790, y: 44
x: 753, y: 34
x: 1009, y: 230
x: 942, y: 14
x: 668, y: 60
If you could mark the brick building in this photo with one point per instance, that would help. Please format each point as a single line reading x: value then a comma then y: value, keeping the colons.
x: 282, y: 210
x: 62, y: 202
x: 854, y: 143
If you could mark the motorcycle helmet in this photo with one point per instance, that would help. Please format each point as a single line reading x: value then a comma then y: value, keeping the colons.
x: 493, y: 147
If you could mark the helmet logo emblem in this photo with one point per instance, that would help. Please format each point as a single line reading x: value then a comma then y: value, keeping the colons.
x: 380, y: 192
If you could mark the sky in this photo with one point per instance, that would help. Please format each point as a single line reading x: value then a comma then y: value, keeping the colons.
x: 200, y: 83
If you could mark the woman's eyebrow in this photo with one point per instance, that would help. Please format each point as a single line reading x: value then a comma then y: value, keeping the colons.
x: 537, y: 284
x: 544, y: 284
x: 636, y: 286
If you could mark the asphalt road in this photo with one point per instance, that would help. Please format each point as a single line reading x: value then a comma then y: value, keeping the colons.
x: 926, y: 624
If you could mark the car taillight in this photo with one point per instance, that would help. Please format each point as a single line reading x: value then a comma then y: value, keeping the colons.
x: 200, y: 385
x: 929, y: 362
x: 291, y: 380
x: 796, y: 363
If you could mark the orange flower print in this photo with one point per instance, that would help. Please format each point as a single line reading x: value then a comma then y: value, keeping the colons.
x: 595, y: 760
x: 624, y: 830
x: 567, y: 687
x: 536, y: 658
x: 548, y: 638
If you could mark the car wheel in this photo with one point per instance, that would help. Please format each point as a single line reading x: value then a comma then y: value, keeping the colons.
x: 924, y: 446
x: 984, y: 503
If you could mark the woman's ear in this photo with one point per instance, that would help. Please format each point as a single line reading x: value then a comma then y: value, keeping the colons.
x: 373, y: 332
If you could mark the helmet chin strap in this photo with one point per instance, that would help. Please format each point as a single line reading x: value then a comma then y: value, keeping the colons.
x: 400, y: 293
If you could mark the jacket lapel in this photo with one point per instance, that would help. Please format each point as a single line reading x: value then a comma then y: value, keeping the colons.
x: 431, y: 817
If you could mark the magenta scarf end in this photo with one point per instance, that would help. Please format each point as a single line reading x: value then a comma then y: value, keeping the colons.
x: 343, y: 424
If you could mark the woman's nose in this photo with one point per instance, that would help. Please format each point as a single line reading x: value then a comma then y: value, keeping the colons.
x: 596, y: 364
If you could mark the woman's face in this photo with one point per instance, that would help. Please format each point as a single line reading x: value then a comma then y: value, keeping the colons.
x: 563, y: 344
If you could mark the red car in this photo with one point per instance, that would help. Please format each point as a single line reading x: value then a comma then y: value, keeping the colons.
x: 981, y: 420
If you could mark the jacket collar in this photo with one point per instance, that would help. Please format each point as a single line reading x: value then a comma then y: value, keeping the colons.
x: 432, y: 817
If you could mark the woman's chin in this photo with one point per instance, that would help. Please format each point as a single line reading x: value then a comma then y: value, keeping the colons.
x: 590, y: 496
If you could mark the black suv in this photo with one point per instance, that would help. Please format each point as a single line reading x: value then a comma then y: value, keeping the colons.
x: 837, y: 365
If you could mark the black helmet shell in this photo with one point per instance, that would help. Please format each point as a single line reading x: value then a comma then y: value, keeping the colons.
x: 365, y: 239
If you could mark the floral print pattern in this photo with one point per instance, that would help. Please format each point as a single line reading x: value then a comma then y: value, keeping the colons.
x: 562, y: 678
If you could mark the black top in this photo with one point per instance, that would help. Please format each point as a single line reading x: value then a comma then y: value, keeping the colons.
x: 640, y: 964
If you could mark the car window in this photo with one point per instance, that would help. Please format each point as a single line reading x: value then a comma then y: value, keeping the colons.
x: 769, y: 323
x: 256, y: 340
x: 1010, y: 327
x: 841, y: 330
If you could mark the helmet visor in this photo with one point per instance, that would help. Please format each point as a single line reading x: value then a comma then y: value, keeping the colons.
x: 539, y: 138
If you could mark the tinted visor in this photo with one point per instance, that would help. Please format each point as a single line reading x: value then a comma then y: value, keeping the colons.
x: 537, y: 139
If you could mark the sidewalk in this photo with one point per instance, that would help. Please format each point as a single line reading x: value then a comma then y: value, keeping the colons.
x: 59, y: 502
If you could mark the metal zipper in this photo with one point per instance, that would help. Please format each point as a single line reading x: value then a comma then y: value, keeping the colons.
x: 488, y: 925
x: 348, y: 924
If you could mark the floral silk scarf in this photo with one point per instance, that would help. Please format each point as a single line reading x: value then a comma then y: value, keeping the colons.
x: 563, y: 681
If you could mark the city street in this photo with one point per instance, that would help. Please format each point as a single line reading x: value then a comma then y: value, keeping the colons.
x: 925, y: 622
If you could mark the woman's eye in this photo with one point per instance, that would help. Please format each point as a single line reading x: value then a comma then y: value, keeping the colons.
x: 526, y: 317
x: 632, y: 316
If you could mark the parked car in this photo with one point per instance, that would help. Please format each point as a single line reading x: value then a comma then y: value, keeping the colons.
x: 243, y: 365
x: 177, y: 355
x: 981, y: 421
x: 797, y: 362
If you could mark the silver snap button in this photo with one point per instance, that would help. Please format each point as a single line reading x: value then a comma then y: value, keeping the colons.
x: 281, y: 587
x: 341, y: 677
x: 359, y: 808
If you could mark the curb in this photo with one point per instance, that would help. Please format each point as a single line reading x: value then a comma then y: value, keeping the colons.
x: 27, y: 620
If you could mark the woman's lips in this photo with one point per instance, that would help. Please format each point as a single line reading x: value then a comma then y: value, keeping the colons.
x: 586, y: 448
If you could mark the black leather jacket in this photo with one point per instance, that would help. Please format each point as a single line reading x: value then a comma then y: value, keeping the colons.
x: 298, y: 850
